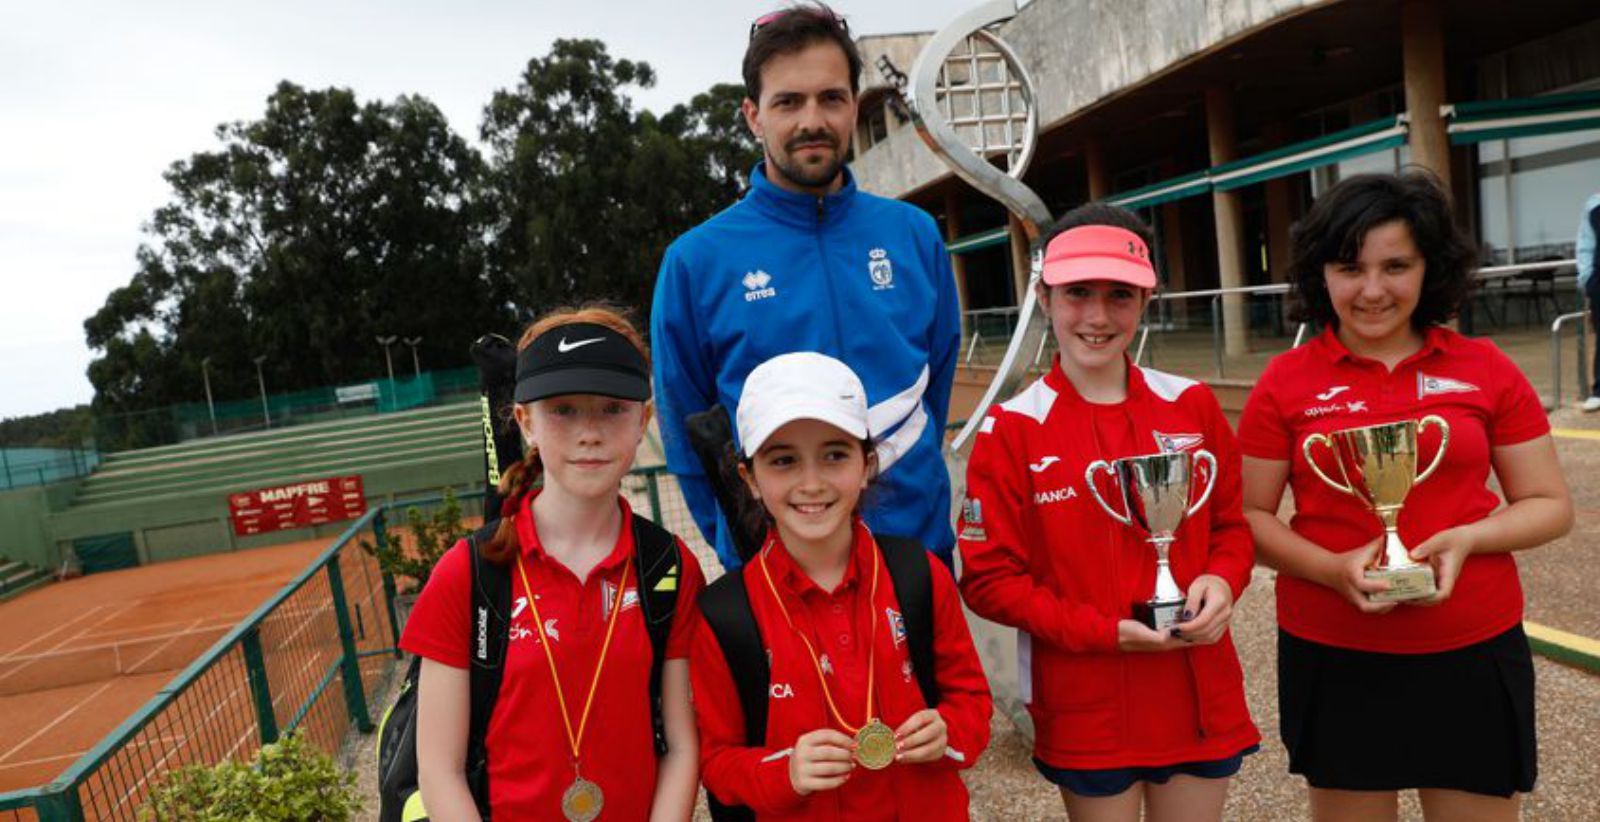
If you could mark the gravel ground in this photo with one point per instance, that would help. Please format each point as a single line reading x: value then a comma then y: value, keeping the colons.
x: 1561, y: 581
x: 1004, y: 785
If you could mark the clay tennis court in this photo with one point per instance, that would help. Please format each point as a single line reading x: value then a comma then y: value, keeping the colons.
x: 79, y: 657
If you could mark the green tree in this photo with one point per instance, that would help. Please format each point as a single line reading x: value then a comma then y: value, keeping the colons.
x: 589, y: 191
x: 306, y: 234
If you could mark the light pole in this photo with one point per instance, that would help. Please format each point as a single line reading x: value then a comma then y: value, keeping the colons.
x: 416, y: 364
x: 386, y: 342
x: 266, y: 416
x: 211, y: 405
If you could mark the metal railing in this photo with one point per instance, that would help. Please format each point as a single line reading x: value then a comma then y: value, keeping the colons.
x: 308, y: 659
x: 996, y: 323
x: 1555, y: 355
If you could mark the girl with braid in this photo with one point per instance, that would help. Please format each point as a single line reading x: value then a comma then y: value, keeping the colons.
x: 571, y: 734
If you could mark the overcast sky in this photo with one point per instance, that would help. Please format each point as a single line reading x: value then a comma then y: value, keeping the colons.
x: 97, y: 99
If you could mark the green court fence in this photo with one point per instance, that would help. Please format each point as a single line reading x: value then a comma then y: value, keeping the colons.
x: 22, y: 467
x: 187, y: 421
x: 309, y: 660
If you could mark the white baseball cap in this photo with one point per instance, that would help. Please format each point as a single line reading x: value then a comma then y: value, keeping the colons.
x: 803, y: 385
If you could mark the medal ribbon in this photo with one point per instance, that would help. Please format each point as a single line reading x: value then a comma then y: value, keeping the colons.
x: 574, y: 739
x: 872, y: 643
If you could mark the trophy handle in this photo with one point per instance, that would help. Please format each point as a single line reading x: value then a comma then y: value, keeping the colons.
x: 1202, y: 455
x: 1444, y: 442
x: 1305, y: 448
x: 1088, y: 479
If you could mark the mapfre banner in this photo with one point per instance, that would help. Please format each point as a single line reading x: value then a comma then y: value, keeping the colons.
x: 297, y: 505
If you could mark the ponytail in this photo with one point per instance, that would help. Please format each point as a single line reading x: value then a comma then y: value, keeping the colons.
x: 515, y: 485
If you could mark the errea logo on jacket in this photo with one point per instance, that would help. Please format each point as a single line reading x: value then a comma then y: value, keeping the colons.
x: 757, y: 286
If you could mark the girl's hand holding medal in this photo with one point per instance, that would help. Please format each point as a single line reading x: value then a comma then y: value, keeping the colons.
x: 921, y: 738
x: 821, y: 761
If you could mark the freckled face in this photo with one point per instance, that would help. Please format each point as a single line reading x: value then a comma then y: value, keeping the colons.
x: 586, y: 441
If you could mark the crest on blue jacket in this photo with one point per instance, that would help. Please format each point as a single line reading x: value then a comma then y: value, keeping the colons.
x: 880, y: 269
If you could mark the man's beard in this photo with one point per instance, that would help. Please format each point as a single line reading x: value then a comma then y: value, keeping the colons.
x: 805, y: 176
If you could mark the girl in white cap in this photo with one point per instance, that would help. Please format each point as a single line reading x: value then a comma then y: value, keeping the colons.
x: 854, y: 727
x: 1129, y: 715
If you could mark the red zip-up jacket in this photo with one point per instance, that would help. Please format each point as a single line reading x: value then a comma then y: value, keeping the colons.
x: 1039, y: 554
x: 838, y: 625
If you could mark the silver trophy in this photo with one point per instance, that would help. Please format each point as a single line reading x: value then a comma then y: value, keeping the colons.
x: 1155, y: 493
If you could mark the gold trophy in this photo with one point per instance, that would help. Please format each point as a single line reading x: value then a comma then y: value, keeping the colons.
x: 1379, y: 464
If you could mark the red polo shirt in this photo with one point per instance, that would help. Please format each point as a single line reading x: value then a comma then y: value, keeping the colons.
x: 838, y: 624
x: 1322, y: 387
x: 530, y: 762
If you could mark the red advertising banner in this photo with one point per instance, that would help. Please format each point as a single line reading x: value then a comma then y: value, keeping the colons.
x: 298, y: 505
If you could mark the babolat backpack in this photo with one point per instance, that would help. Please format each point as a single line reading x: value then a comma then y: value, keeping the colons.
x: 399, y: 796
x: 726, y: 607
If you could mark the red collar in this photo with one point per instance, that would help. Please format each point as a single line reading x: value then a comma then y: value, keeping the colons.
x: 1434, y: 339
x: 1058, y: 382
x: 793, y: 578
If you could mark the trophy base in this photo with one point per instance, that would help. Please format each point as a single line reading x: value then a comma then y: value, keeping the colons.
x: 1157, y: 615
x: 1415, y: 582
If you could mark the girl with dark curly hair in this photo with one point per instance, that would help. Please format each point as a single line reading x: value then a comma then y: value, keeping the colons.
x: 1378, y: 694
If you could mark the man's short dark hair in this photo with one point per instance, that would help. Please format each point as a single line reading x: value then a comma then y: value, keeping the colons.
x: 802, y: 27
x: 1099, y: 213
x: 1333, y: 230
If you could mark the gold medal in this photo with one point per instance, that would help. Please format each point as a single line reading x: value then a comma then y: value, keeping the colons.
x: 874, y: 745
x: 582, y: 801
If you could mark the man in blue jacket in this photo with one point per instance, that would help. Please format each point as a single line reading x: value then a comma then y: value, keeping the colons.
x: 807, y: 262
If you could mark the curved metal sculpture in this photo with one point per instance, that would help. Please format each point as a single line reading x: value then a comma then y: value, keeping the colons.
x: 973, y: 105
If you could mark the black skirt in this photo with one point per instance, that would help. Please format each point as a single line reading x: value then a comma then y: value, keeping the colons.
x: 1363, y: 721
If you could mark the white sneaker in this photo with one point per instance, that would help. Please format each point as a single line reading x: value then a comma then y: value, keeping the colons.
x: 1592, y: 404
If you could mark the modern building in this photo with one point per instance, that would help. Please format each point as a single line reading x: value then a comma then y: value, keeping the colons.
x: 1221, y: 120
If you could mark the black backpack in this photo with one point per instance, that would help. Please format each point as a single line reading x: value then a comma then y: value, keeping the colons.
x: 726, y: 606
x: 656, y: 554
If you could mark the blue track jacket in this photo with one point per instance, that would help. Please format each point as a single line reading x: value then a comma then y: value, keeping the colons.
x: 857, y: 277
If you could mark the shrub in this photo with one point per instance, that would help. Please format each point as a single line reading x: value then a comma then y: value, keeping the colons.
x: 287, y: 781
x: 431, y: 536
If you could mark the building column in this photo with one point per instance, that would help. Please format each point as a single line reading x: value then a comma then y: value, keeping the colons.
x: 952, y: 232
x: 1422, y: 47
x: 1230, y: 222
x: 1021, y: 259
x: 1094, y: 159
x: 1280, y: 210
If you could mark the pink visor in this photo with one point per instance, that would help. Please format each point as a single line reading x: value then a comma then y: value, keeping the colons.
x: 1098, y: 252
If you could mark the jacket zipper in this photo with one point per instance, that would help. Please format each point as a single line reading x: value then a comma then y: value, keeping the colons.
x: 827, y: 278
x: 1199, y: 704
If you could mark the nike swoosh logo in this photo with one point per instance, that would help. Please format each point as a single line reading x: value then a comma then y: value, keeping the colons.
x: 1333, y: 392
x: 563, y: 346
x: 1043, y: 464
